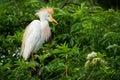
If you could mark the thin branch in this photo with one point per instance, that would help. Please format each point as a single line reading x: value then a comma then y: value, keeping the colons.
x: 65, y: 3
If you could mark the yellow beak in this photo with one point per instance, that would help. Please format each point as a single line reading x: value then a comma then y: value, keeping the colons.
x: 54, y: 20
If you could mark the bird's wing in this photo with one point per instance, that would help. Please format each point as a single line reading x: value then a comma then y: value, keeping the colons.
x: 26, y: 32
x: 30, y: 38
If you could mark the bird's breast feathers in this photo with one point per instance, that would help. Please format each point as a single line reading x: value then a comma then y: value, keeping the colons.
x: 40, y: 28
x: 46, y: 33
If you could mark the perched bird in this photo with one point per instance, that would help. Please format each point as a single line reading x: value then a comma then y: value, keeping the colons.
x: 37, y: 32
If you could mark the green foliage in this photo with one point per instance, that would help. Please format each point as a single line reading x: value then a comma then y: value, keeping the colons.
x: 108, y: 3
x: 19, y: 70
x: 82, y: 29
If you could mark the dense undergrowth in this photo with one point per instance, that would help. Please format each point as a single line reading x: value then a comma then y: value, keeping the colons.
x: 85, y: 44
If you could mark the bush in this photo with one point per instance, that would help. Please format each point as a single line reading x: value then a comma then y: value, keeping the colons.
x: 81, y: 30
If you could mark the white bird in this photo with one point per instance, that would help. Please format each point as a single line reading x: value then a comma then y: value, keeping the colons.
x: 37, y: 32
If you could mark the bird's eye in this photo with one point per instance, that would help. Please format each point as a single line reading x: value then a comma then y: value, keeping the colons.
x: 48, y: 15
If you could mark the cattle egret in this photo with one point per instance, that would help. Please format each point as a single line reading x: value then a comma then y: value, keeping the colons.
x: 37, y: 32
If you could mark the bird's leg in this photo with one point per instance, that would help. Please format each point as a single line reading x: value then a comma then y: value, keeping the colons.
x: 32, y: 54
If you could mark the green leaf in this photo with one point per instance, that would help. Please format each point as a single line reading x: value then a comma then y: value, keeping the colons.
x: 113, y: 46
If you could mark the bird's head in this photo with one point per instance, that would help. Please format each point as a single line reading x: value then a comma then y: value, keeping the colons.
x: 46, y: 14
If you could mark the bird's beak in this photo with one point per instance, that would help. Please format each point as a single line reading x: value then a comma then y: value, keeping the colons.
x: 54, y: 20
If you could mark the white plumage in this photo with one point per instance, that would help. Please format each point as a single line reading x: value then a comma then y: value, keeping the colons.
x: 37, y: 32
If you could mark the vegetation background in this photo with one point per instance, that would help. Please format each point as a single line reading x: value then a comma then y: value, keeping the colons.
x: 86, y: 27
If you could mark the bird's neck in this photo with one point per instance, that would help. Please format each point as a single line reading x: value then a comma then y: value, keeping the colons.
x: 42, y: 19
x: 44, y: 22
